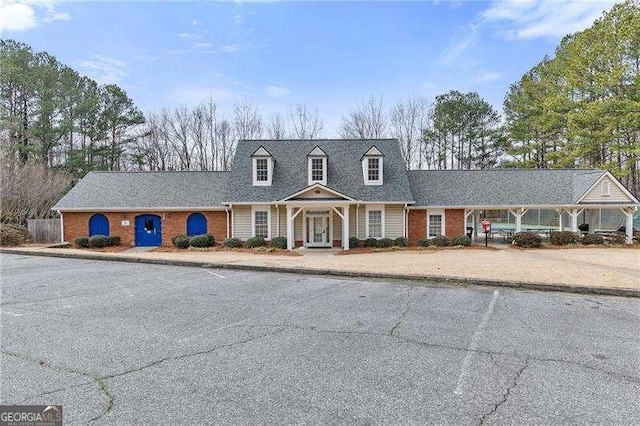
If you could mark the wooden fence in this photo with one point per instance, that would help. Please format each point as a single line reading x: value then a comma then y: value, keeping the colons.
x: 45, y: 230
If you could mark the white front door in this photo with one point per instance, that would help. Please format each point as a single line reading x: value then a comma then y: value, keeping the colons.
x: 318, y: 229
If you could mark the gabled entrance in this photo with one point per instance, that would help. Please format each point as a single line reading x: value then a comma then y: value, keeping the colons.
x: 319, y: 229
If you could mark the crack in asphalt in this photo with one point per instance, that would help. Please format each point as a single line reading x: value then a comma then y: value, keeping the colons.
x: 404, y: 314
x: 505, y: 396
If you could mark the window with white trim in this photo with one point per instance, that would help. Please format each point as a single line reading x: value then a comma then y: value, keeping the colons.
x: 317, y: 170
x: 262, y: 169
x: 261, y: 223
x: 435, y: 225
x: 605, y: 188
x: 374, y: 224
x: 372, y: 170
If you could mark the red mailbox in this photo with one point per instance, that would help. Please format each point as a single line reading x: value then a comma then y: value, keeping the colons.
x: 486, y: 226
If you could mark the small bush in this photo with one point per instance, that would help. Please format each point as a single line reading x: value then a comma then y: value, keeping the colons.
x: 98, y: 241
x: 592, y: 239
x: 14, y: 235
x: 201, y: 241
x: 114, y: 240
x: 527, y: 239
x: 563, y: 238
x: 81, y: 242
x: 424, y: 242
x: 400, y: 242
x: 181, y: 241
x: 618, y: 238
x: 371, y: 242
x: 254, y: 242
x: 385, y: 243
x: 232, y: 243
x: 440, y: 241
x: 279, y: 242
x: 354, y: 242
x: 461, y: 240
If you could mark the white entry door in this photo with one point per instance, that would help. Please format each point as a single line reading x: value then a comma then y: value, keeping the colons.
x: 318, y: 228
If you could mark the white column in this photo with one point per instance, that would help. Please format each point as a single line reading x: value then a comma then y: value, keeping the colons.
x: 345, y: 228
x: 560, y: 224
x: 574, y: 219
x: 629, y: 225
x: 518, y: 215
x: 290, y: 241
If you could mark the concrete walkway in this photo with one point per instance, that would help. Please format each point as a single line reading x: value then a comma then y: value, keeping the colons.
x: 579, y: 268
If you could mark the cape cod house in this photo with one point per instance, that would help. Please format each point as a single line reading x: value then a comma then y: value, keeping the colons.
x: 318, y: 193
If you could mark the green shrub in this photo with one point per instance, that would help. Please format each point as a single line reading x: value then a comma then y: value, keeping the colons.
x: 98, y: 241
x: 114, y: 240
x: 232, y: 243
x: 254, y: 242
x: 400, y: 242
x: 440, y: 241
x: 354, y: 242
x: 592, y: 239
x: 461, y: 240
x: 371, y: 242
x: 385, y: 242
x: 279, y: 242
x: 618, y: 238
x: 563, y: 238
x: 14, y: 235
x: 181, y: 241
x: 424, y: 242
x: 201, y: 241
x: 81, y: 242
x: 527, y: 239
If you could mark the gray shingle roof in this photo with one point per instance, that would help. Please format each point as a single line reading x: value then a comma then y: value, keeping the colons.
x: 500, y: 187
x: 144, y: 190
x: 344, y: 170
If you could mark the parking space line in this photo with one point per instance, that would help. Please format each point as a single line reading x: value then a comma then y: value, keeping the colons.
x: 215, y: 273
x: 474, y: 343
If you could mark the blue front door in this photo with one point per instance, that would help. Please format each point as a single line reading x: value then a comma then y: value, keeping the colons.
x: 148, y: 230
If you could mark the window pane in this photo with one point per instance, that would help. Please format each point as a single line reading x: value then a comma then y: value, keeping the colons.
x: 375, y: 223
x: 261, y: 170
x: 435, y: 225
x: 316, y: 169
x: 261, y: 222
x: 374, y: 169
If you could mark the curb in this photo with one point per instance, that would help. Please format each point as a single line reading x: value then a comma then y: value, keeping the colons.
x: 348, y: 274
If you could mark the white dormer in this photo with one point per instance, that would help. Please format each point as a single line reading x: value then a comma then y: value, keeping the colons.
x: 317, y: 166
x: 262, y: 163
x: 372, y: 166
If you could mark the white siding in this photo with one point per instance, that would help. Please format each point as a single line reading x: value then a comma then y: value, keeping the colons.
x: 362, y: 222
x: 393, y: 221
x: 242, y: 222
x: 352, y: 221
x: 298, y: 227
x: 274, y: 222
x: 337, y: 226
x: 616, y: 194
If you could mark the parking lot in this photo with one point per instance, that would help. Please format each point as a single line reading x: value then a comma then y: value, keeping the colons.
x: 127, y: 343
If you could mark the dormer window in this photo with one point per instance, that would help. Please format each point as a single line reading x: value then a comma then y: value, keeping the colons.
x: 372, y: 167
x: 317, y: 164
x: 262, y: 167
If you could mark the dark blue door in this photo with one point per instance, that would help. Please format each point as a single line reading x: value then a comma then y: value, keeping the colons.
x: 148, y: 230
x: 196, y: 224
x: 98, y: 225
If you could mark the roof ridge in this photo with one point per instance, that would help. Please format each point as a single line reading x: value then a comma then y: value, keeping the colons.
x: 155, y: 171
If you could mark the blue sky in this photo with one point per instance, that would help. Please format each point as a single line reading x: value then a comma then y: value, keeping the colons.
x: 328, y: 55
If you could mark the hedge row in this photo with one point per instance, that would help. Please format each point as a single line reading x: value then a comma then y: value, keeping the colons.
x: 97, y: 241
x: 12, y: 234
x: 443, y: 241
x: 200, y: 241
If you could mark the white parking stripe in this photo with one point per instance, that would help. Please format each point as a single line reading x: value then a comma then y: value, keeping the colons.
x: 216, y: 274
x: 474, y: 343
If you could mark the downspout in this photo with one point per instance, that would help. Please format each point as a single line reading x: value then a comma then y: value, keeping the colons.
x: 278, y: 220
x: 404, y: 221
x: 61, y: 227
x: 230, y: 222
x: 357, y: 217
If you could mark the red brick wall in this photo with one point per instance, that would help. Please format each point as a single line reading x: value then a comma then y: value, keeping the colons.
x: 173, y: 223
x: 417, y: 224
x: 454, y: 222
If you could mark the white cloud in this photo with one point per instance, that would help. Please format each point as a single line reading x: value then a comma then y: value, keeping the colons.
x: 16, y: 17
x: 276, y: 91
x: 201, y: 45
x: 103, y: 69
x: 487, y: 77
x: 459, y: 45
x: 544, y: 18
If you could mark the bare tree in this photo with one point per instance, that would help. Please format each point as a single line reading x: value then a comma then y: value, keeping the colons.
x: 276, y: 129
x: 306, y: 124
x: 226, y: 144
x: 247, y: 122
x: 367, y: 121
x: 409, y: 119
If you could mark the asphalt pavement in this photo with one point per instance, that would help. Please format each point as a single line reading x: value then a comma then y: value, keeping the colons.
x: 124, y: 343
